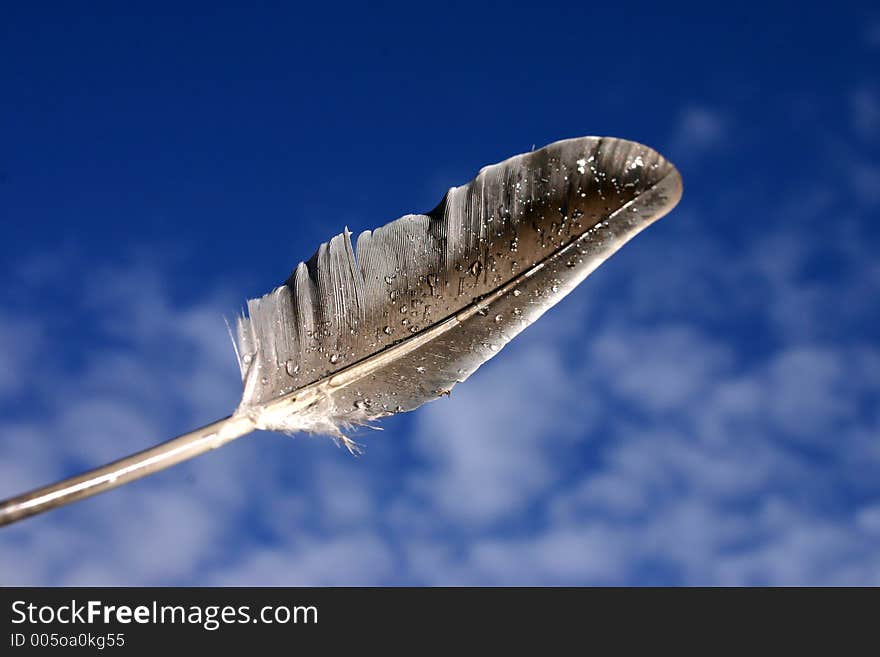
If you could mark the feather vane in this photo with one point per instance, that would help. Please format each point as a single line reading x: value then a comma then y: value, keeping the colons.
x: 420, y: 303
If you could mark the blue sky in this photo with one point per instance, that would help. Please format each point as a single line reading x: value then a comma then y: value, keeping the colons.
x: 704, y: 409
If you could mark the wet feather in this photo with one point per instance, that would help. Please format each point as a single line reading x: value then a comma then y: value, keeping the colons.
x: 363, y: 331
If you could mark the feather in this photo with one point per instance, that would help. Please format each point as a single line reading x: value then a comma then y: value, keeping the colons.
x: 359, y: 332
x: 356, y: 334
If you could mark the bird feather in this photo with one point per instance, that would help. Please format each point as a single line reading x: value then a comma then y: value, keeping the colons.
x: 358, y: 333
x: 355, y: 334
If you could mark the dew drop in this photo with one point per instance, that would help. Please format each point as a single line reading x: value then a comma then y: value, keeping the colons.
x: 420, y: 370
x: 334, y: 358
x: 516, y: 293
x: 291, y: 367
x: 498, y: 318
x: 388, y: 330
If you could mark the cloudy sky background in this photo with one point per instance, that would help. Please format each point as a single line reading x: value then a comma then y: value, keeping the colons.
x: 705, y: 409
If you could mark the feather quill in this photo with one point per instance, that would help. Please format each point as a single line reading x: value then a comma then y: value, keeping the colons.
x: 359, y: 332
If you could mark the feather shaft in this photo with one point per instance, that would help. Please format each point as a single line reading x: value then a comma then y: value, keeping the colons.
x: 125, y: 470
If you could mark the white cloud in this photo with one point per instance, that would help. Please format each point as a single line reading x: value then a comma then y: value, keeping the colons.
x: 346, y: 560
x: 807, y: 393
x: 116, y: 403
x: 102, y: 430
x: 663, y: 368
x: 866, y: 113
x: 866, y: 182
x: 799, y: 549
x: 690, y: 474
x: 27, y: 458
x: 594, y: 554
x: 492, y: 446
x: 344, y: 494
x: 699, y: 130
x: 872, y: 34
x: 21, y: 341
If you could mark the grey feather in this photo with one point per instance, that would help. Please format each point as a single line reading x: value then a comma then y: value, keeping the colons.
x: 422, y: 302
x: 427, y: 299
